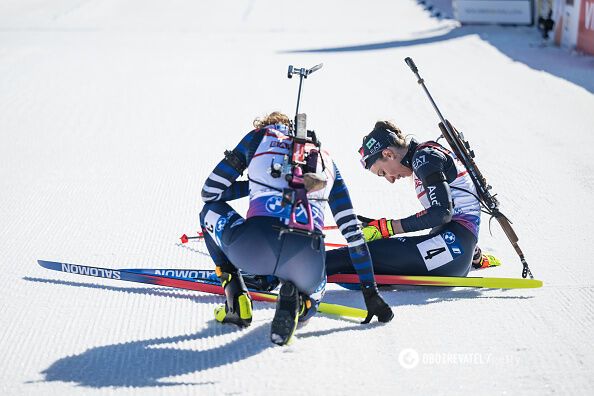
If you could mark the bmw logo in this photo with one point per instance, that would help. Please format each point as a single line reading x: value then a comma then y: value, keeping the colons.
x: 274, y: 204
x: 449, y: 237
x: 221, y: 224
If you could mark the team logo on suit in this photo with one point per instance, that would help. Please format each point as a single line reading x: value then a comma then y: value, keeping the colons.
x: 274, y: 204
x: 449, y: 237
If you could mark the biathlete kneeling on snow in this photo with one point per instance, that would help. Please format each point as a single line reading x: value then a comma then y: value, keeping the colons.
x: 451, y: 210
x: 258, y: 245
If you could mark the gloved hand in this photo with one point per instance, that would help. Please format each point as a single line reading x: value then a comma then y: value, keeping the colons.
x: 376, y: 229
x: 376, y: 306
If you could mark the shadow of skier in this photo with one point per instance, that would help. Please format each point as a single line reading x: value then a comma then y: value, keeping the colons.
x: 145, y: 363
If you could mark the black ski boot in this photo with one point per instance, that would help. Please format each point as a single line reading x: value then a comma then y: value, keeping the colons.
x: 307, y: 309
x: 238, y: 307
x: 286, y: 315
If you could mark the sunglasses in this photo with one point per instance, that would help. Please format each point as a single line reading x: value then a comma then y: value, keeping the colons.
x: 374, y: 156
x: 363, y: 158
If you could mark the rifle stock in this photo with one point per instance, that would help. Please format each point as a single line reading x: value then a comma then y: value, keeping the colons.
x: 509, y: 231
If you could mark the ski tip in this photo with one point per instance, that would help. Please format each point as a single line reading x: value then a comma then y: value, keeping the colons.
x: 47, y: 263
x: 184, y: 238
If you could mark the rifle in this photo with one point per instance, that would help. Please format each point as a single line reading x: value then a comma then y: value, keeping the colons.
x: 300, y: 169
x: 465, y: 154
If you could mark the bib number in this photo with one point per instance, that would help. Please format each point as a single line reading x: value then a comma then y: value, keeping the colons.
x: 435, y: 252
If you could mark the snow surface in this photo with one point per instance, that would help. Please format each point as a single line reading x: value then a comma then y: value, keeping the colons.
x: 112, y: 113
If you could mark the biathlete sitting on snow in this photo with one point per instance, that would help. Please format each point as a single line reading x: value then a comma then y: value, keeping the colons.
x: 452, y: 210
x: 256, y: 245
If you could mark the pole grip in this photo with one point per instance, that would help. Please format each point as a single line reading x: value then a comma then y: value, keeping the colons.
x: 316, y: 67
x: 411, y: 64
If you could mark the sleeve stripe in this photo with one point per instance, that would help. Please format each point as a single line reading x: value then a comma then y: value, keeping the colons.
x: 212, y: 190
x: 356, y: 243
x: 355, y: 238
x: 206, y: 197
x: 214, y: 184
x: 214, y: 177
x: 344, y: 213
x: 348, y: 224
x: 351, y: 234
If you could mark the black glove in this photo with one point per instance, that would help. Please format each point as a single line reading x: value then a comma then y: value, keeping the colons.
x: 376, y: 306
x: 364, y: 220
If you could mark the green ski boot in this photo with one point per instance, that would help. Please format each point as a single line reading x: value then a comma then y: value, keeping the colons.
x: 238, y: 307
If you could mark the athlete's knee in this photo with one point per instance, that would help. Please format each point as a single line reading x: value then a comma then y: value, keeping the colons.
x: 205, y: 209
x: 212, y: 212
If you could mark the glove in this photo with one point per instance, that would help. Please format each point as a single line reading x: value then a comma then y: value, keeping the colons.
x: 376, y: 229
x: 376, y: 306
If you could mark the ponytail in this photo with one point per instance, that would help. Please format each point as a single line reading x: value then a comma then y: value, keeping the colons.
x: 395, y: 135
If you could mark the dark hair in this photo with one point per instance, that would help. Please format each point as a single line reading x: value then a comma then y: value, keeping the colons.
x: 384, y: 135
x: 394, y: 134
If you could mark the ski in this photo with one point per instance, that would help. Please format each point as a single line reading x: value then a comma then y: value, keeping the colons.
x: 198, y: 284
x: 442, y: 281
x: 188, y: 274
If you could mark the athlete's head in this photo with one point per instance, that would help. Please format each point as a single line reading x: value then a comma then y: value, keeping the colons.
x: 384, y: 152
x: 276, y: 117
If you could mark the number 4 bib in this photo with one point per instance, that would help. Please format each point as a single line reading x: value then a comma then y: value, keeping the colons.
x: 435, y: 252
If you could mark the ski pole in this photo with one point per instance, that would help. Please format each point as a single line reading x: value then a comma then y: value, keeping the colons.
x: 185, y: 239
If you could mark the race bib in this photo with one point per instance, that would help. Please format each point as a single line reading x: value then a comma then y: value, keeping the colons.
x: 435, y: 252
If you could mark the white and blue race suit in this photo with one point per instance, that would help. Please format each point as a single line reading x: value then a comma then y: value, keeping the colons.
x: 253, y: 244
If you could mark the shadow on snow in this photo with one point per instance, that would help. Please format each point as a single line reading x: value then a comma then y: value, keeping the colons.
x: 145, y: 363
x: 521, y: 44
